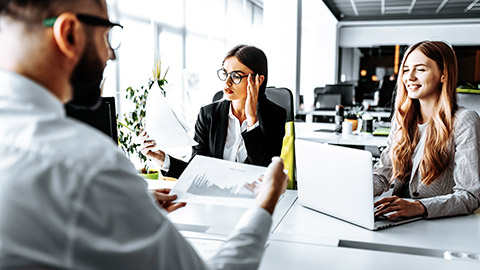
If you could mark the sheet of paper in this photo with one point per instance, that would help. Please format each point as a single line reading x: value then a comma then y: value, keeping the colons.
x: 216, y: 181
x: 162, y: 125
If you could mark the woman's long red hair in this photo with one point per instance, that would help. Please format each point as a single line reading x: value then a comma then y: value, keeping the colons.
x: 437, y: 151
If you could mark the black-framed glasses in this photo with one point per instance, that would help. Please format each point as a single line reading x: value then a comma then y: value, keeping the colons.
x: 114, y: 34
x: 235, y: 76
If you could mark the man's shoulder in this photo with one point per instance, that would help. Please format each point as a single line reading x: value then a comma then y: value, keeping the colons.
x: 77, y: 144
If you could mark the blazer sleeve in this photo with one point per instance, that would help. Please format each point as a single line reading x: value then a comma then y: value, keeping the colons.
x: 383, y: 169
x: 466, y: 171
x: 265, y: 141
x: 177, y: 166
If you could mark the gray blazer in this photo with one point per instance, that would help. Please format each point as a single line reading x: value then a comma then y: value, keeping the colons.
x: 457, y: 190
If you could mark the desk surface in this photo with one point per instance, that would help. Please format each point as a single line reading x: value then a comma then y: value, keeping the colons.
x: 460, y: 233
x: 375, y: 114
x: 220, y: 220
x: 306, y: 239
x: 287, y: 255
x: 309, y: 131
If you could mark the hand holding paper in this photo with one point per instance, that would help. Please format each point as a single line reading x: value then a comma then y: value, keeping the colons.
x: 162, y: 124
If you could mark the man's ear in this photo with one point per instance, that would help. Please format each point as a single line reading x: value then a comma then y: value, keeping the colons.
x: 68, y: 35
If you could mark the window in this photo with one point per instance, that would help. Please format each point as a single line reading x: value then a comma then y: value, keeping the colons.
x: 190, y: 36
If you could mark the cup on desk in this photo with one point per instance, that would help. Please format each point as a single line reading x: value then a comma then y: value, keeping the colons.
x: 367, y: 124
x: 309, y: 118
x: 347, y: 128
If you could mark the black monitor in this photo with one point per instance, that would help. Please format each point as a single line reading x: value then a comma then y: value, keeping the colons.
x: 103, y: 118
x: 346, y: 90
x: 327, y: 101
x: 385, y: 99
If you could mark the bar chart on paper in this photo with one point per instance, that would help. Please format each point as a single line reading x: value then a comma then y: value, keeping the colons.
x: 202, y: 186
x: 217, y: 181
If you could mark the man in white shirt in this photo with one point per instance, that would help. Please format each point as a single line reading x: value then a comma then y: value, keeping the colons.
x: 68, y: 197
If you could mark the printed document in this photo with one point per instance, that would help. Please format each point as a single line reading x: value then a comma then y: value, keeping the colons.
x: 217, y: 181
x: 162, y: 125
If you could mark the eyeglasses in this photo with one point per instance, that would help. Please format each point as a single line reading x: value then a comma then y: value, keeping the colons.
x: 235, y: 76
x: 113, y: 36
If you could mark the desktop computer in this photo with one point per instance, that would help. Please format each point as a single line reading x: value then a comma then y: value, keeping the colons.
x: 103, y: 118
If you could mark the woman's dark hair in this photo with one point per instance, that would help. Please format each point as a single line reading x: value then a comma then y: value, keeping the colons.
x: 255, y: 59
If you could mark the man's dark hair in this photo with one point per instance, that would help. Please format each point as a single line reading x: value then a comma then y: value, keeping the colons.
x: 33, y: 12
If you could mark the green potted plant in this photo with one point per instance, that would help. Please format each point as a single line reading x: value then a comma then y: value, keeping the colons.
x: 131, y: 124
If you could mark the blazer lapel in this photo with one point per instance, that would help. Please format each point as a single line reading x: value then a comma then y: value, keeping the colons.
x: 220, y: 134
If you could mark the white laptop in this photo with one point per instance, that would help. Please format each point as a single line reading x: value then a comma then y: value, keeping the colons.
x: 337, y: 181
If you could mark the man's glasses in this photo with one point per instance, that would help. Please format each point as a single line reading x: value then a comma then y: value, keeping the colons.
x: 235, y: 76
x: 114, y: 34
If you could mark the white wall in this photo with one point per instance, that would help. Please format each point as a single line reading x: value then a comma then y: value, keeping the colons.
x: 367, y: 34
x: 318, y: 50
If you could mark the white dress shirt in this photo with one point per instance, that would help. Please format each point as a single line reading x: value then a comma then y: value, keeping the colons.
x: 69, y: 198
x: 234, y: 144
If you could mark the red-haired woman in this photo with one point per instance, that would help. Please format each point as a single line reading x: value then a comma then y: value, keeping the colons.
x: 433, y: 151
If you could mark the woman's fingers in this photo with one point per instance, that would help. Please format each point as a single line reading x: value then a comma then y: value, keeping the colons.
x: 385, y: 200
x: 388, y: 209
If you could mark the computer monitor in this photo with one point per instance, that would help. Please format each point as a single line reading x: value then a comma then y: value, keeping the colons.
x: 103, y: 118
x: 346, y: 90
x: 327, y: 101
x: 385, y: 99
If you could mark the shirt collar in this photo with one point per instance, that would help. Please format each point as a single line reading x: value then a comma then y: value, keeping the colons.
x: 16, y: 87
x: 230, y: 112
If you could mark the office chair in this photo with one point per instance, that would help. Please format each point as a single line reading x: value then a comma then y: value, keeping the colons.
x: 282, y: 97
x: 470, y: 101
x: 218, y: 95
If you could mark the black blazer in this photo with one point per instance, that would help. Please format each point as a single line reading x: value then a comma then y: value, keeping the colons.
x: 262, y: 143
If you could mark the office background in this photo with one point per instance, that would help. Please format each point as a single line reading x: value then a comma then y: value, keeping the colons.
x: 309, y: 43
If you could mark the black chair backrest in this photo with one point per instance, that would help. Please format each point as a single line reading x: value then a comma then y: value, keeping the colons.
x: 218, y: 95
x: 280, y: 96
x: 283, y: 97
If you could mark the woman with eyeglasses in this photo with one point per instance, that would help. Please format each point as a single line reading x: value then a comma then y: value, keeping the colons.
x: 433, y: 151
x: 243, y: 127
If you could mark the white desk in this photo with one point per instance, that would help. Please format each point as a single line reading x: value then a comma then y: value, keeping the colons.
x: 460, y: 233
x: 306, y: 239
x: 221, y: 220
x: 309, y: 131
x: 287, y: 255
x: 375, y: 114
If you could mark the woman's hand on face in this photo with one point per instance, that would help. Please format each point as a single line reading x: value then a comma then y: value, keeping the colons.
x: 253, y: 86
x: 147, y: 146
x: 399, y: 207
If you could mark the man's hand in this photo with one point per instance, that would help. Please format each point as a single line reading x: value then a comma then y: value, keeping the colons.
x: 165, y: 200
x: 274, y: 184
x: 399, y: 207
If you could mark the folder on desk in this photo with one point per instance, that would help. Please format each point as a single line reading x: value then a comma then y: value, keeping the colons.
x: 381, y: 131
